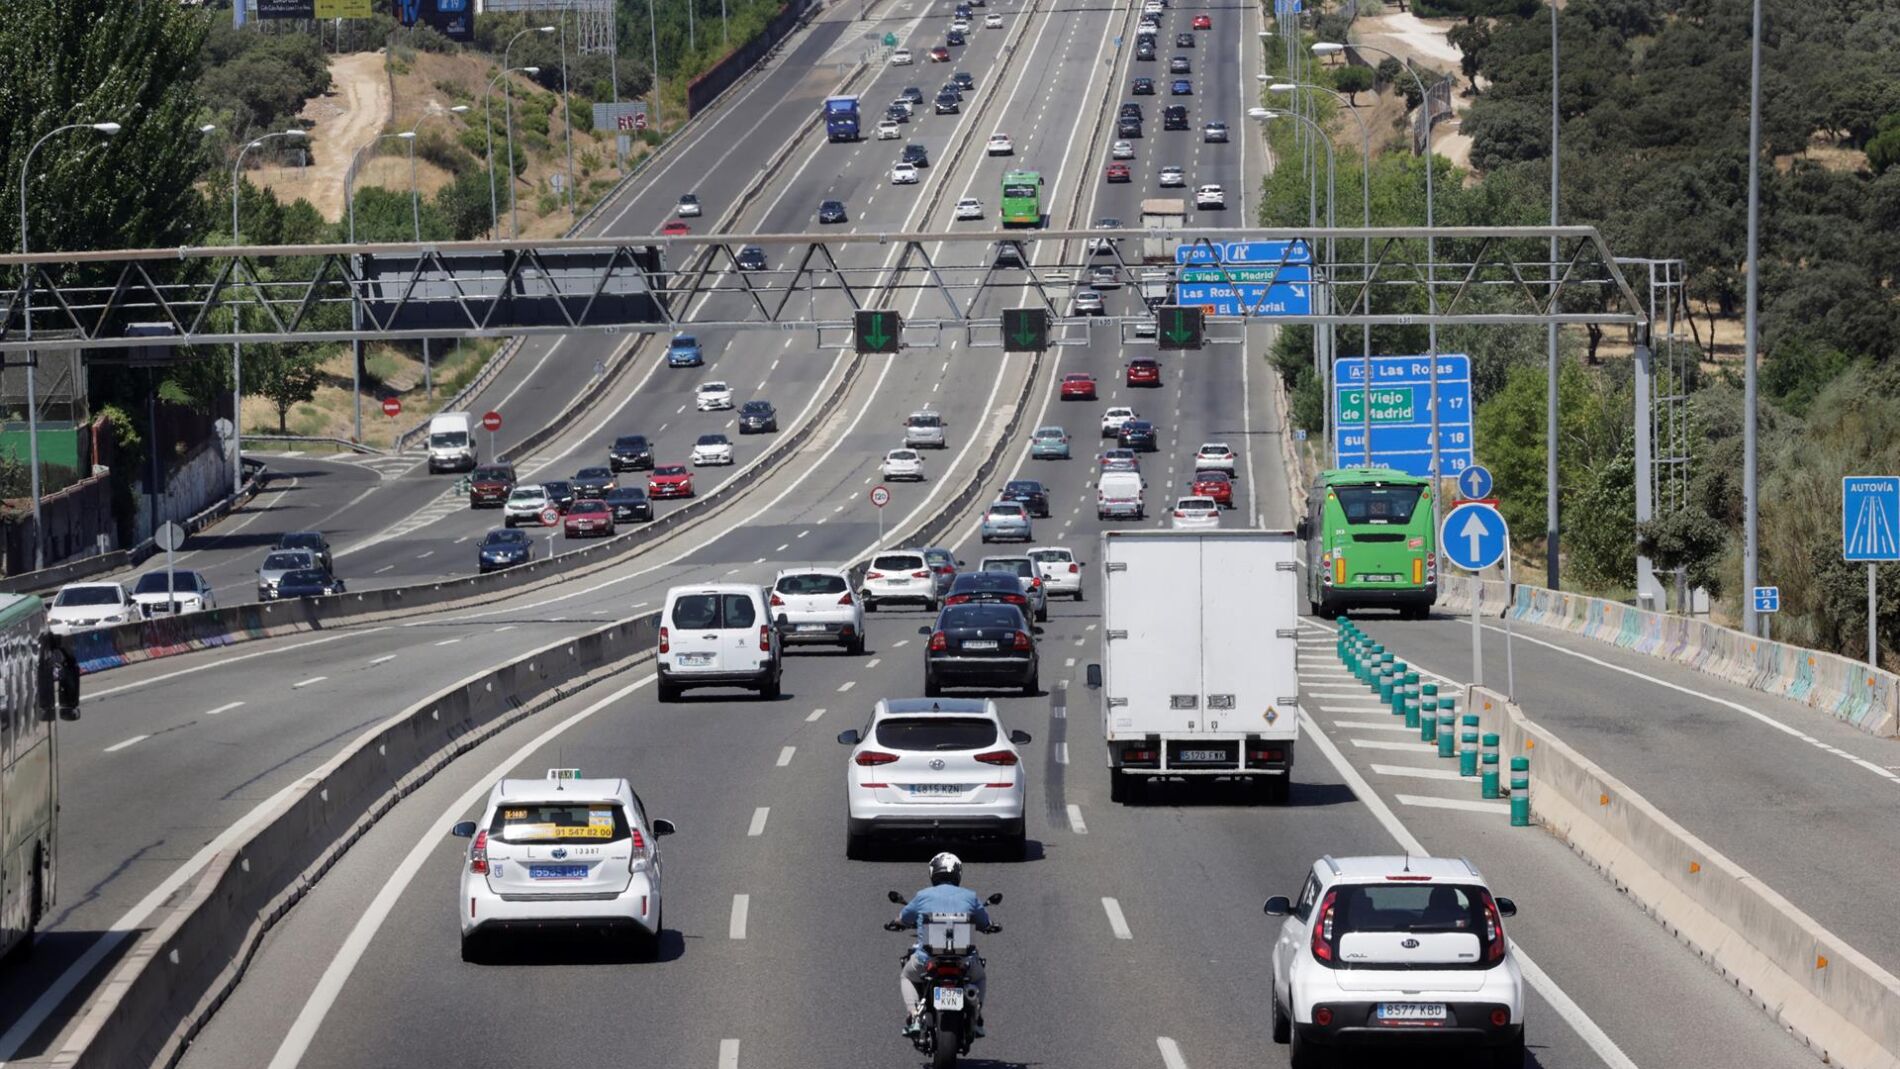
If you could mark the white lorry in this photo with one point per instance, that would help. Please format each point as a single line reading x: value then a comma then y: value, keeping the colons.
x: 451, y: 442
x: 1199, y: 644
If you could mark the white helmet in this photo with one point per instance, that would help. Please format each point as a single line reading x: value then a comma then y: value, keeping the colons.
x: 946, y: 868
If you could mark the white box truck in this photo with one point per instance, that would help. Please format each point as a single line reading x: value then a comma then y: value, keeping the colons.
x: 451, y: 442
x: 1161, y: 213
x: 1198, y: 676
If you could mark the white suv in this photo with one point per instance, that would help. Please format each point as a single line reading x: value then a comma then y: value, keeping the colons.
x: 899, y: 575
x: 817, y: 605
x: 1388, y: 950
x: 928, y: 767
x: 525, y: 505
x: 718, y: 635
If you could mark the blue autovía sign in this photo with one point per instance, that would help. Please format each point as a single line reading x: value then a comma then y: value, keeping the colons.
x: 1238, y: 278
x: 1401, y: 413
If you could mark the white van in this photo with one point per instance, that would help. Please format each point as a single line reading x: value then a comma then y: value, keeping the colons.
x: 1121, y: 493
x: 718, y: 635
x: 451, y: 442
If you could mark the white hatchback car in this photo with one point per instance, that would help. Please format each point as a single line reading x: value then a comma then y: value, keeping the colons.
x: 1172, y: 177
x: 902, y: 58
x: 1120, y: 150
x: 1113, y: 419
x: 1061, y: 572
x: 992, y: 21
x: 904, y: 174
x: 817, y: 605
x: 888, y: 131
x: 712, y: 449
x: 1026, y: 571
x: 1000, y: 145
x: 79, y: 606
x: 1196, y: 514
x: 1389, y: 950
x: 718, y: 635
x: 899, y: 575
x: 1210, y: 197
x: 969, y: 208
x: 560, y: 852
x: 712, y: 396
x: 902, y: 464
x: 930, y: 767
x: 1214, y: 456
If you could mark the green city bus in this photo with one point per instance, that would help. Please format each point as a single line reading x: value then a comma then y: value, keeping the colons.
x: 41, y: 683
x: 1022, y: 198
x: 1370, y: 543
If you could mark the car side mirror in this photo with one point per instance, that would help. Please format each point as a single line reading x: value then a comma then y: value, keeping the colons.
x: 1094, y: 677
x: 663, y: 826
x: 1302, y: 530
x: 849, y: 737
x: 895, y: 897
x: 1277, y: 906
x: 463, y: 830
x: 1020, y: 738
x: 995, y: 899
x: 925, y: 630
x: 1506, y: 907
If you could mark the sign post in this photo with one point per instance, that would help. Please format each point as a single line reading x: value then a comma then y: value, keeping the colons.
x: 491, y: 422
x: 880, y: 497
x: 1474, y: 538
x: 1870, y: 534
x: 1767, y: 601
x: 169, y: 537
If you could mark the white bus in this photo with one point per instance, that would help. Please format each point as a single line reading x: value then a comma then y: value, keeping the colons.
x: 39, y: 685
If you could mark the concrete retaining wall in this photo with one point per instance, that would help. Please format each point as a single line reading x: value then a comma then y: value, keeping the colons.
x: 1829, y: 995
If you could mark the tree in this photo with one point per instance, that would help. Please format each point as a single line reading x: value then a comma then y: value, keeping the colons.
x: 1352, y: 80
x: 287, y: 375
x: 1470, y: 39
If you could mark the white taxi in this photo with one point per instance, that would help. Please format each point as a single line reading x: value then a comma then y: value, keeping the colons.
x: 712, y: 396
x: 560, y: 852
x: 934, y: 767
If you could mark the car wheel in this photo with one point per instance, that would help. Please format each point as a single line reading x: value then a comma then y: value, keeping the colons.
x: 1123, y: 788
x: 1509, y: 1056
x: 1078, y: 593
x: 1042, y: 614
x: 932, y: 689
x: 931, y: 606
x: 1015, y: 844
x: 773, y: 687
x: 476, y: 948
x: 856, y: 847
x: 668, y: 692
x: 507, y: 521
x: 869, y: 605
x: 1033, y: 685
x: 1304, y: 1055
x: 855, y: 647
x: 1282, y: 1027
x: 1277, y: 790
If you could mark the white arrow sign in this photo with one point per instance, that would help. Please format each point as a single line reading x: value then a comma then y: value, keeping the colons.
x: 1473, y: 533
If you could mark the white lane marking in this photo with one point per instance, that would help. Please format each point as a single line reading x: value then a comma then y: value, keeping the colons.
x: 783, y: 548
x: 839, y: 508
x: 448, y: 641
x: 303, y: 1031
x: 741, y: 905
x: 804, y: 532
x: 384, y: 659
x: 1574, y: 1015
x: 307, y: 682
x: 785, y: 756
x: 1467, y: 804
x: 757, y: 827
x: 1062, y: 753
x: 1116, y: 922
x: 847, y: 685
x: 728, y: 1054
x: 1068, y: 662
x: 427, y: 553
x: 1373, y: 725
x: 900, y: 643
x: 815, y: 714
x: 117, y: 746
x: 225, y: 708
x: 1076, y: 823
x: 504, y: 627
x: 462, y: 539
x: 872, y: 663
x: 1380, y: 744
x: 1080, y: 641
x: 1090, y: 627
x: 384, y: 568
x: 1353, y: 707
x: 1410, y: 772
x: 1170, y: 1053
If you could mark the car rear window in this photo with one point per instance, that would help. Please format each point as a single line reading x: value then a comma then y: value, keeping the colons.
x: 506, y: 536
x: 936, y: 733
x: 287, y: 560
x: 1006, y: 509
x: 493, y: 475
x: 897, y: 562
x: 1052, y: 556
x: 714, y: 611
x: 559, y: 822
x: 811, y: 583
x: 1021, y: 567
x: 1378, y: 504
x: 1408, y: 907
x: 926, y: 421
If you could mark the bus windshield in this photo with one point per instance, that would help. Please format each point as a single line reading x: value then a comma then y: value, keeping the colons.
x: 1378, y: 504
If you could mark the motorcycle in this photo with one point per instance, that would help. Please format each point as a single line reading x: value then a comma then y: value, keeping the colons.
x: 948, y: 1009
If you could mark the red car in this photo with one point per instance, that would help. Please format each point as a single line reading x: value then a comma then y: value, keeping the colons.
x: 674, y: 228
x: 1078, y: 387
x: 588, y: 516
x: 1202, y: 22
x: 1118, y: 172
x: 491, y: 484
x: 1215, y: 484
x: 1144, y: 372
x: 939, y: 54
x: 673, y: 480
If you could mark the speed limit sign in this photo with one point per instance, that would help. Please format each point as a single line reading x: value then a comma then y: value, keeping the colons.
x: 880, y: 496
x: 550, y: 516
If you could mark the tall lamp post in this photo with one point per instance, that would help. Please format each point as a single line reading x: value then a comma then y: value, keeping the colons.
x: 1551, y: 575
x: 356, y: 307
x: 415, y: 216
x: 567, y: 115
x: 1326, y: 365
x: 237, y: 320
x: 653, y: 37
x: 508, y: 121
x: 1751, y: 501
x: 32, y: 358
x: 488, y: 128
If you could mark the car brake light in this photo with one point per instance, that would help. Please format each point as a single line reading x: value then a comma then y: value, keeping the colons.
x: 920, y: 575
x: 776, y: 600
x: 939, y: 643
x: 1493, y: 930
x: 1410, y: 878
x: 1074, y: 568
x: 945, y: 569
x: 765, y: 638
x: 1022, y: 640
x: 1500, y: 1017
x: 874, y: 575
x: 844, y: 598
x: 1178, y: 514
x: 1323, y: 1016
x: 874, y: 757
x: 639, y: 841
x: 1016, y: 599
x: 997, y: 757
x: 665, y: 645
x: 478, y: 854
x: 1323, y: 931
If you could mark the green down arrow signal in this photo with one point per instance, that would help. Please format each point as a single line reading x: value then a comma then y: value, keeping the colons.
x: 1024, y: 338
x: 1180, y: 332
x: 876, y: 336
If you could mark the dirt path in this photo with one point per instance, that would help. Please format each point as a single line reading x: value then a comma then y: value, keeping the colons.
x: 349, y: 117
x: 1408, y: 35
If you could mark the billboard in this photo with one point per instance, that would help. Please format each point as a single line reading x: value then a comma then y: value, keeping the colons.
x: 454, y: 19
x: 345, y: 9
x: 286, y: 9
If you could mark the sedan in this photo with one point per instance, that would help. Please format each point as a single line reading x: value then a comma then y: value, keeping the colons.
x: 888, y: 131
x: 594, y: 482
x: 1172, y: 177
x: 1215, y: 455
x: 675, y: 228
x: 688, y: 207
x: 902, y: 464
x: 712, y: 397
x: 1184, y: 40
x: 630, y: 452
x: 969, y: 208
x: 751, y: 258
x: 1139, y: 435
x: 1049, y: 443
x: 817, y: 605
x: 684, y: 351
x: 1113, y: 419
x: 902, y: 58
x: 1126, y: 128
x: 831, y: 211
x: 503, y: 548
x: 916, y: 155
x: 947, y: 104
x: 1143, y: 87
x: 308, y: 583
x: 630, y: 504
x: 1121, y: 150
x: 965, y: 81
x: 1061, y: 572
x: 1214, y: 133
x: 1196, y: 514
x: 588, y: 516
x: 898, y: 112
x: 1144, y: 371
x: 992, y: 21
x: 980, y: 646
x: 712, y: 449
x: 931, y: 767
x: 1208, y: 197
x: 1180, y: 65
x: 939, y: 54
x: 1030, y: 494
x: 1006, y: 520
x: 1214, y: 484
x: 80, y: 606
x: 1118, y: 172
x: 954, y: 38
x: 1000, y: 145
x: 903, y: 174
x: 1087, y: 302
x: 1078, y: 386
x: 757, y: 417
x: 1181, y: 87
x: 560, y: 494
x: 1203, y: 22
x: 1118, y: 459
x: 177, y: 591
x: 277, y: 564
x: 672, y: 480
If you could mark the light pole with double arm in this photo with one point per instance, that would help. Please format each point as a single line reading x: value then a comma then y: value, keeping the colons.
x: 1326, y: 369
x: 488, y: 128
x: 237, y: 320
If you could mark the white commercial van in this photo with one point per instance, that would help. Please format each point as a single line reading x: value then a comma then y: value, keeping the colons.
x: 451, y: 442
x: 1122, y: 494
x: 718, y: 635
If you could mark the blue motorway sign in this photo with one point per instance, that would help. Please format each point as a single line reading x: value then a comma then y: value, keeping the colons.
x: 1474, y: 536
x: 1767, y: 599
x: 1402, y: 413
x: 1239, y: 278
x: 1475, y: 482
x: 1870, y: 517
x: 1286, y: 7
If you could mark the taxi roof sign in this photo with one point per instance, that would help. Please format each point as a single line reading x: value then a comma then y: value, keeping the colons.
x: 564, y: 773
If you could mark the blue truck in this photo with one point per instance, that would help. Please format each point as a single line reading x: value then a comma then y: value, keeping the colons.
x: 841, y: 118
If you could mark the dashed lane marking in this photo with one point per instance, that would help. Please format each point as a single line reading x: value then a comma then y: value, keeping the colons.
x: 225, y: 708
x: 117, y: 746
x: 1468, y: 805
x: 741, y: 905
x: 815, y: 714
x: 1412, y: 772
x: 757, y: 827
x: 1116, y: 922
x: 785, y: 756
x: 1076, y: 823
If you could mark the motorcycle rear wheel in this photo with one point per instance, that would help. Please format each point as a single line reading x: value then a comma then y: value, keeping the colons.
x: 949, y: 1040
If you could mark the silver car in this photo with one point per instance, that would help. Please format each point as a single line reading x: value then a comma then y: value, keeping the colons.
x: 943, y: 565
x: 278, y: 564
x: 924, y: 430
x: 1006, y: 521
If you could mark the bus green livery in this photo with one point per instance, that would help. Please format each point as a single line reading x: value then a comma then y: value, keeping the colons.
x: 41, y: 683
x: 1022, y: 198
x: 1370, y: 543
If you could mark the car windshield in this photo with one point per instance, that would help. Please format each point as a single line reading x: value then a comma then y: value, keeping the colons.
x: 712, y: 439
x: 902, y: 454
x: 631, y: 441
x: 685, y: 341
x: 524, y: 496
x: 1021, y: 567
x: 154, y: 582
x: 559, y: 489
x: 926, y: 420
x: 713, y: 387
x: 1025, y: 486
x: 492, y: 475
x: 1210, y: 477
x: 559, y: 822
x: 1196, y: 504
x: 448, y: 440
x: 88, y: 595
x: 286, y: 561
x: 693, y: 611
x: 626, y: 493
x: 1378, y: 504
x: 1409, y: 907
x: 939, y: 558
x: 975, y: 616
x: 670, y: 469
x: 1051, y: 556
x: 810, y: 583
x: 757, y: 407
x: 936, y: 733
x: 1048, y: 432
x: 897, y: 562
x: 587, y: 507
x: 508, y: 537
x: 593, y: 473
x: 1010, y: 511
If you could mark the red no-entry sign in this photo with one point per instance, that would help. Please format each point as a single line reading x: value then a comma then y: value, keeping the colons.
x: 491, y: 422
x: 392, y: 407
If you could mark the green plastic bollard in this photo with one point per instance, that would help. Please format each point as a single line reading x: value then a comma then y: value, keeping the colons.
x: 1407, y: 689
x: 1520, y: 792
x: 1468, y: 745
x: 1429, y: 690
x: 1390, y: 682
x: 1447, y: 732
x: 1428, y: 720
x: 1411, y: 712
x: 1488, y: 780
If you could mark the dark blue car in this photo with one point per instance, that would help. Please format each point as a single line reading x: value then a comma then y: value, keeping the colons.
x: 308, y: 583
x: 504, y: 548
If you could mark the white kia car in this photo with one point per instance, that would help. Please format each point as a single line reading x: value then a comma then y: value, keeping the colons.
x: 934, y: 767
x: 1196, y: 514
x: 1214, y: 456
x: 969, y: 208
x: 712, y: 396
x: 1061, y: 572
x: 817, y: 605
x: 902, y: 464
x: 712, y: 449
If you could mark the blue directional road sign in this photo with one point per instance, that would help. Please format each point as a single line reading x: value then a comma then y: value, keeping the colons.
x: 1474, y: 536
x: 1402, y: 414
x: 1870, y: 517
x: 1767, y: 599
x: 1286, y: 7
x: 1259, y: 277
x: 1475, y: 482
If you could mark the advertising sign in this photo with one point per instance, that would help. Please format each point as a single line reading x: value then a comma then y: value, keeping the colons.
x: 286, y: 9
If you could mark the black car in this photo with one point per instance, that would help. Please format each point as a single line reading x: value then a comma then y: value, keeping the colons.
x: 504, y: 547
x: 1143, y: 87
x: 631, y: 452
x: 1131, y: 110
x: 751, y: 258
x: 1184, y: 40
x: 954, y: 38
x: 313, y: 541
x: 912, y: 94
x: 947, y: 104
x: 831, y: 211
x: 308, y: 583
x: 951, y: 88
x: 1145, y: 50
x: 593, y: 482
x: 1174, y: 117
x: 1030, y: 493
x: 981, y: 646
x: 1008, y: 254
x: 963, y: 11
x: 916, y: 155
x: 1180, y: 65
x: 1139, y: 435
x: 560, y: 493
x: 758, y: 416
x: 1128, y: 128
x: 897, y: 113
x: 629, y: 503
x: 987, y: 588
x: 964, y: 81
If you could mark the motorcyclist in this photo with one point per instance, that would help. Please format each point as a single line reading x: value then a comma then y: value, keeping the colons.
x: 944, y: 895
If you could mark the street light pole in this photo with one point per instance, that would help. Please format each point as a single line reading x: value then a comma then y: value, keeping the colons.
x: 653, y: 31
x: 32, y: 358
x: 488, y: 129
x: 1751, y: 502
x: 1326, y: 366
x: 237, y: 322
x: 508, y: 127
x: 567, y: 115
x: 356, y: 305
x: 415, y: 216
x: 1551, y: 576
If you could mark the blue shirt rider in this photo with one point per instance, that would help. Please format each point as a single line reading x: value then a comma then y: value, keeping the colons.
x: 944, y: 895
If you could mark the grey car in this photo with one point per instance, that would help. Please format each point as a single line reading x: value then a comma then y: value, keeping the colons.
x: 924, y: 430
x: 1006, y: 521
x: 279, y: 563
x: 943, y: 567
x: 1025, y: 570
